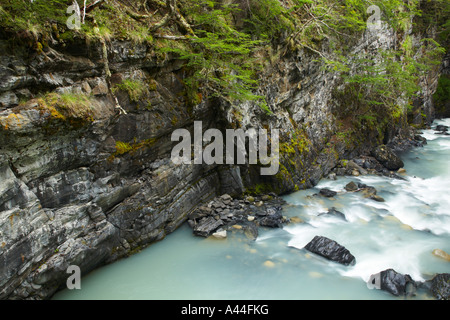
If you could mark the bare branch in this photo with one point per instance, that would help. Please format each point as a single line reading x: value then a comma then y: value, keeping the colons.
x: 89, y: 8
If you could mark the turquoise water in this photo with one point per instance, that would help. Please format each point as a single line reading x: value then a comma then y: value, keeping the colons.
x: 400, y: 233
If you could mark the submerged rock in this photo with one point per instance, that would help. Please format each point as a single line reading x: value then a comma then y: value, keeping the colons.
x: 330, y: 250
x: 377, y: 198
x: 441, y: 254
x: 334, y: 212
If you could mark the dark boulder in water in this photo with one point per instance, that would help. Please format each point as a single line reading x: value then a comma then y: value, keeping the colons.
x: 439, y: 286
x: 393, y: 282
x: 441, y: 128
x: 327, y: 192
x: 388, y: 158
x: 330, y: 250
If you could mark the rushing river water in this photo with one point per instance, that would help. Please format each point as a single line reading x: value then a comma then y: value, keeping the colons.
x: 400, y: 233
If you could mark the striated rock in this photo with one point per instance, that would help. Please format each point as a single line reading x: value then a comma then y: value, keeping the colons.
x: 330, y: 250
x: 207, y: 226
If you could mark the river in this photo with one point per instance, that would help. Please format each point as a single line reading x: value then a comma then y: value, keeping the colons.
x: 400, y: 233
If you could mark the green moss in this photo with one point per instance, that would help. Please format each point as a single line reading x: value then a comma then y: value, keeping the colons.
x: 152, y: 85
x: 260, y: 189
x: 297, y: 145
x: 67, y: 107
x: 123, y: 148
x: 33, y: 16
x: 134, y: 88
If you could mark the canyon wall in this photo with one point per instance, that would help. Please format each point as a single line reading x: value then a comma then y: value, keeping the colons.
x: 90, y: 181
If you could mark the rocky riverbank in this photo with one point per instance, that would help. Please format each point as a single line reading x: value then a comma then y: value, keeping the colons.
x: 247, y: 214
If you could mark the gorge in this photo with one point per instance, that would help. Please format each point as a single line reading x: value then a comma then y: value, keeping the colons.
x: 86, y: 118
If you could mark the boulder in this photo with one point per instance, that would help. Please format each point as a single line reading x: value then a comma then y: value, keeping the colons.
x: 393, y: 282
x: 220, y: 234
x: 273, y: 219
x: 207, y: 226
x: 327, y: 192
x: 356, y: 168
x: 388, y: 158
x: 330, y: 250
x: 351, y: 186
x: 441, y: 254
x: 440, y: 286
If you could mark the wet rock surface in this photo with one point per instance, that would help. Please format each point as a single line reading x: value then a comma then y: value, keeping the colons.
x: 439, y: 286
x: 330, y: 250
x: 396, y: 283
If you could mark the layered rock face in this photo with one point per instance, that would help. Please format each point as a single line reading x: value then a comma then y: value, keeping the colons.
x: 91, y: 181
x: 68, y: 196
